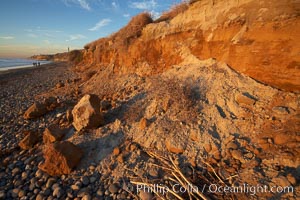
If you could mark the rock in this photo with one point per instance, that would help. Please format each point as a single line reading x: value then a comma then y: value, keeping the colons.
x: 207, y: 147
x: 53, y: 133
x: 281, y: 181
x: 38, y: 109
x: 291, y: 179
x: 281, y: 138
x: 15, y: 171
x: 35, y: 110
x: 238, y: 155
x: 39, y: 173
x: 232, y: 145
x: 39, y: 197
x: 93, y: 179
x: 243, y: 99
x: 60, y: 158
x: 50, y: 182
x: 281, y: 110
x: 21, y: 193
x: 174, y: 147
x: 153, y: 172
x: 2, y: 195
x: 113, y: 188
x: 116, y: 151
x: 86, y: 197
x: 29, y: 140
x: 145, y: 195
x: 58, y: 192
x: 100, y: 192
x: 86, y: 114
x: 15, y: 192
x: 75, y: 187
x: 143, y: 123
x: 85, y: 180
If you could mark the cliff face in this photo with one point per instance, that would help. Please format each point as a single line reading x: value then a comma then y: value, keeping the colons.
x: 257, y: 38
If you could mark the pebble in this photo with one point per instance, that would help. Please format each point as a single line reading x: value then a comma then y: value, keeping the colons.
x: 145, y: 195
x: 38, y: 173
x: 39, y: 197
x: 76, y: 186
x: 93, y: 179
x: 50, y: 182
x: 86, y: 197
x: 113, y: 188
x: 47, y: 192
x: 85, y: 180
x: 58, y: 192
x: 21, y: 193
x: 82, y: 192
x: 15, y: 192
x: 153, y: 172
x: 15, y: 171
x: 100, y: 192
x: 54, y: 186
x: 2, y: 195
x: 24, y: 175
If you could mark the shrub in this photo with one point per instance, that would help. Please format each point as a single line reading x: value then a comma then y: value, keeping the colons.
x: 75, y: 56
x: 173, y: 12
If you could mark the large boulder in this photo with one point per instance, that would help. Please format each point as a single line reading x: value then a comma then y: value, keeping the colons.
x: 30, y: 139
x: 86, y: 114
x: 38, y: 109
x: 53, y: 133
x: 60, y: 158
x: 35, y: 110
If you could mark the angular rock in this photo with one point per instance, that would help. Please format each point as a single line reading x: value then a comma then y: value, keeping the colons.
x: 53, y: 133
x: 86, y: 114
x: 29, y: 140
x: 40, y: 108
x: 60, y: 158
x: 35, y: 110
x: 244, y: 99
x: 174, y: 147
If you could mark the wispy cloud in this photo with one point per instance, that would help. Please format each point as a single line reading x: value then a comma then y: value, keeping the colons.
x: 126, y: 15
x: 75, y: 37
x: 82, y: 3
x: 32, y: 35
x: 100, y: 24
x: 7, y: 37
x: 115, y: 5
x: 145, y: 5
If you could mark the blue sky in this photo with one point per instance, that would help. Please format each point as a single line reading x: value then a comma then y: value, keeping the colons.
x: 30, y: 27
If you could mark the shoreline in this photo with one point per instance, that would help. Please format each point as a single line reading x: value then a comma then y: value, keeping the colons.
x: 31, y: 67
x: 20, y: 67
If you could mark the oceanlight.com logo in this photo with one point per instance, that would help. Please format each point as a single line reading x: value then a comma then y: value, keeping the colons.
x: 213, y: 188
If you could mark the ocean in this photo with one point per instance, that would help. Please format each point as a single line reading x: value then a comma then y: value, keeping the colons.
x: 16, y: 63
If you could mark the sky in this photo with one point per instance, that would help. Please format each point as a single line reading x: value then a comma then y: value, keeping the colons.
x: 33, y: 27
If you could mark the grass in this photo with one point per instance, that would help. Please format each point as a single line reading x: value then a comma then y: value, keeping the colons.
x: 173, y: 12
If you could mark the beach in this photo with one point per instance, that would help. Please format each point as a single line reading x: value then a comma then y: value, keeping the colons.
x: 18, y: 90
